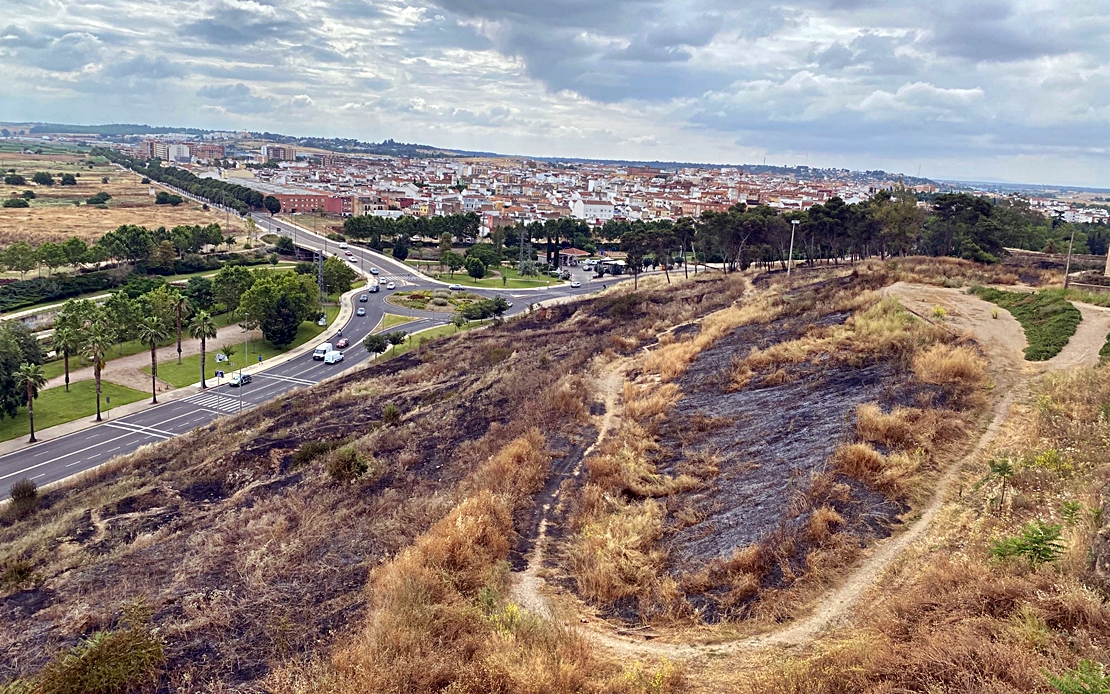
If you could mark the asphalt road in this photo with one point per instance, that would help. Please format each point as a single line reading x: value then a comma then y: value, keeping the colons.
x: 55, y: 459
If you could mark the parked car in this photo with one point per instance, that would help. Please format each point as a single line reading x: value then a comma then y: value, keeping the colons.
x: 363, y: 298
x: 575, y: 284
x: 373, y: 271
x: 361, y: 311
x: 333, y: 357
x: 456, y: 287
x: 343, y: 342
x: 239, y: 380
x: 322, y: 321
x: 391, y: 285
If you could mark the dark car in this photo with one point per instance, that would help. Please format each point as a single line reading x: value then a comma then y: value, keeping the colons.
x: 373, y: 289
x: 343, y: 342
x: 240, y: 380
x: 363, y: 298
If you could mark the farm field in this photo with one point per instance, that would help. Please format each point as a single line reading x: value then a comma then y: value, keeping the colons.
x: 53, y: 216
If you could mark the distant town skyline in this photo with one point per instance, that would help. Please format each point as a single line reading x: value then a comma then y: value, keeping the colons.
x: 1002, y: 91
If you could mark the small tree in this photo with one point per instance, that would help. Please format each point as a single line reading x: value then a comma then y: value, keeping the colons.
x: 31, y: 377
x: 69, y: 180
x: 451, y: 260
x: 1003, y: 469
x: 397, y: 338
x: 43, y: 178
x: 376, y: 343
x: 152, y: 331
x: 475, y: 267
x: 1038, y: 542
x: 272, y: 205
x: 203, y: 327
x: 65, y: 343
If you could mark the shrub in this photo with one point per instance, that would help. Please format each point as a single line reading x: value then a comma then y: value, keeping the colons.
x: 391, y: 414
x: 108, y: 662
x: 25, y: 497
x: 1038, y: 542
x: 346, y: 465
x: 310, y: 451
x: 16, y: 574
x: 1048, y: 319
x: 16, y: 202
x: 1088, y: 678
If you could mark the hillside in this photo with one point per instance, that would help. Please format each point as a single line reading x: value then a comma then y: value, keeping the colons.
x: 649, y: 491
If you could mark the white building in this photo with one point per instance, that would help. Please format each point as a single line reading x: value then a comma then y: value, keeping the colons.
x: 592, y: 209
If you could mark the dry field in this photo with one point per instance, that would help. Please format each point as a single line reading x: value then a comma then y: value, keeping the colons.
x: 53, y: 216
x: 517, y: 509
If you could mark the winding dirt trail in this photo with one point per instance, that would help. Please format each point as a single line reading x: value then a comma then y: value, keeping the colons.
x: 1002, y: 339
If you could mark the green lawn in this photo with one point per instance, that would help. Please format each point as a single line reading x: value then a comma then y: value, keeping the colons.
x: 188, y: 372
x: 512, y: 280
x: 55, y: 406
x: 392, y: 320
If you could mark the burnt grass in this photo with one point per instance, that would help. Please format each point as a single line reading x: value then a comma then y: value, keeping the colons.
x: 768, y: 439
x: 249, y: 557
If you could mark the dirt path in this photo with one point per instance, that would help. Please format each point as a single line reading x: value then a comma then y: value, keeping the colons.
x: 1003, y: 341
x: 527, y: 590
x: 127, y: 371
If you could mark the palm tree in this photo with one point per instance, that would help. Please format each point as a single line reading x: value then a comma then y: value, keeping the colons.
x: 151, y: 332
x: 228, y: 351
x: 65, y: 341
x: 30, y: 376
x: 96, y: 339
x: 203, y: 327
x: 181, y: 307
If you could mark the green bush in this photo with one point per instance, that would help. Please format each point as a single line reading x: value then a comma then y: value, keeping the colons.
x: 16, y: 202
x: 391, y: 414
x: 1088, y: 678
x: 1038, y: 542
x: 108, y: 662
x: 310, y: 451
x: 346, y: 465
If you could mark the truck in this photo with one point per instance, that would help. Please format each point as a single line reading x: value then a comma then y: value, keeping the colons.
x: 321, y: 351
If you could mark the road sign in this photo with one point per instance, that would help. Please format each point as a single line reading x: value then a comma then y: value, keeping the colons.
x: 219, y: 374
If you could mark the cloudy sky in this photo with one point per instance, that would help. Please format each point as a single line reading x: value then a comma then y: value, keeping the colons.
x: 1013, y: 90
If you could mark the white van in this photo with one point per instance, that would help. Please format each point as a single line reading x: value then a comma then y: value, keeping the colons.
x: 322, y: 351
x: 333, y: 357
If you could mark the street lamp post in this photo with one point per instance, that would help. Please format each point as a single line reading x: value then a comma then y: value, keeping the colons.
x: 790, y: 258
x: 1067, y: 266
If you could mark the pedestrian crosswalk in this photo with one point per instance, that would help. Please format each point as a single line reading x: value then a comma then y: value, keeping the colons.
x: 220, y: 402
x: 400, y: 280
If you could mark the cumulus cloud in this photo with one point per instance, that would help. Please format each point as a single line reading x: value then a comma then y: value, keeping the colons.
x: 880, y: 84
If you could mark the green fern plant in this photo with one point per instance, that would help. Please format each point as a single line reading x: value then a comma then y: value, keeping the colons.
x: 1038, y: 542
x: 1088, y: 678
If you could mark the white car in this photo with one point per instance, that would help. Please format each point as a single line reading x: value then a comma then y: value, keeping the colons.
x: 333, y: 357
x: 391, y: 285
x: 343, y: 245
x: 353, y: 259
x: 575, y: 284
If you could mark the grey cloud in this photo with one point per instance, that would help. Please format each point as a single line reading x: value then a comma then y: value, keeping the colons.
x: 65, y: 53
x: 236, y: 98
x: 146, y: 67
x: 241, y: 21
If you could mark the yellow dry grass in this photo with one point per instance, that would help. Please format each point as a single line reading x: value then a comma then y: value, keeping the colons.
x: 53, y: 216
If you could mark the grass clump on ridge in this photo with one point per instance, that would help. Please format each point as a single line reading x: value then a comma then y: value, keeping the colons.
x: 1049, y: 320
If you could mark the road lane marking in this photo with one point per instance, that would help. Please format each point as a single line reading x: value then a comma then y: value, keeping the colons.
x: 290, y: 379
x: 140, y: 429
x: 66, y: 455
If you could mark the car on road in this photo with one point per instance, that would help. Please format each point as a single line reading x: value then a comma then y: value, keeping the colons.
x: 363, y: 298
x: 575, y: 284
x: 509, y: 304
x: 343, y: 245
x: 391, y: 285
x: 373, y: 289
x: 361, y: 311
x: 353, y: 259
x: 333, y: 357
x: 373, y: 271
x: 456, y: 287
x: 347, y: 253
x: 239, y: 380
x: 343, y: 342
x: 321, y: 351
